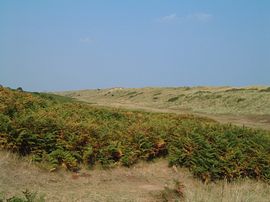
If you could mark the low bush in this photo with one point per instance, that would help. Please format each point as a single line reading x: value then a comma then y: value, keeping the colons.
x: 265, y: 90
x: 27, y: 197
x: 173, y: 99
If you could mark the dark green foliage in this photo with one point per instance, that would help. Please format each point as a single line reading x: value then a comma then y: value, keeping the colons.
x: 134, y: 94
x: 131, y: 93
x: 265, y: 90
x: 67, y: 133
x: 187, y: 88
x: 27, y: 197
x: 157, y: 94
x: 64, y: 158
x: 240, y: 100
x: 20, y: 89
x: 236, y: 89
x: 213, y: 152
x: 173, y: 99
x: 88, y: 156
x: 53, y: 97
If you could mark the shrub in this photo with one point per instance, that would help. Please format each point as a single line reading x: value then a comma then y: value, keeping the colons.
x: 88, y: 156
x: 173, y: 99
x: 63, y: 158
x: 27, y: 197
x: 228, y: 152
x: 265, y: 90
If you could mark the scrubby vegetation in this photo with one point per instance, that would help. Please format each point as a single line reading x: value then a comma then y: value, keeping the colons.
x: 173, y: 99
x: 244, y: 101
x: 27, y: 197
x: 62, y: 132
x: 265, y: 90
x: 173, y: 194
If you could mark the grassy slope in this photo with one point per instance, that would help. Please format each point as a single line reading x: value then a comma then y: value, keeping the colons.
x: 61, y: 132
x: 249, y: 106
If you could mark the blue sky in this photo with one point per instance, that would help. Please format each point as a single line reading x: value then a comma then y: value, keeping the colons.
x: 65, y: 44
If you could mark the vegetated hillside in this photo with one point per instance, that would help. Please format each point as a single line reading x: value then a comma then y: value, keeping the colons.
x: 211, y: 100
x: 65, y: 133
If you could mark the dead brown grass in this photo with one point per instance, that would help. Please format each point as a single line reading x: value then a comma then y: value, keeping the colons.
x: 142, y: 182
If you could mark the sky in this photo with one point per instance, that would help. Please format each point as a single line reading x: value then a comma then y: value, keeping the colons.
x: 84, y: 44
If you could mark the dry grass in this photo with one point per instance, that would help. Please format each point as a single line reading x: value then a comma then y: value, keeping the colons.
x: 142, y: 182
x: 248, y: 105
